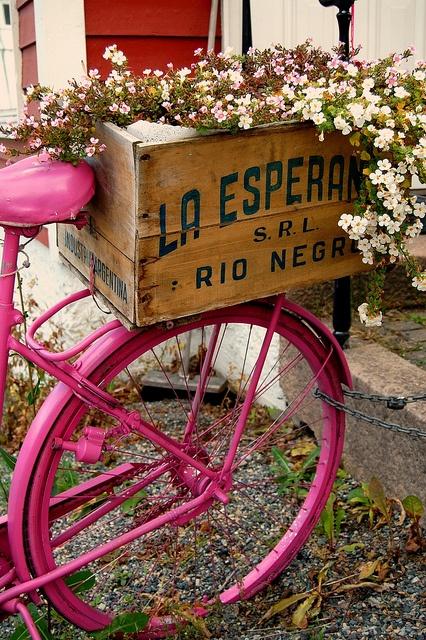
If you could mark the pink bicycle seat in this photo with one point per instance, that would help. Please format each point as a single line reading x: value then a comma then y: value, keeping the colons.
x: 38, y: 190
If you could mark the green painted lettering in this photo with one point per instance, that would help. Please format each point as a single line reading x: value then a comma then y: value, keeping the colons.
x: 231, y: 216
x: 251, y: 207
x: 273, y: 169
x: 315, y: 176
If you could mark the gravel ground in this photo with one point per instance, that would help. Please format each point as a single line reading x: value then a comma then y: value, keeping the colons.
x: 396, y: 612
x: 392, y: 607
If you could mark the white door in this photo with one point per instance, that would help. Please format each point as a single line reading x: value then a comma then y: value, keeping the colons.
x: 381, y: 26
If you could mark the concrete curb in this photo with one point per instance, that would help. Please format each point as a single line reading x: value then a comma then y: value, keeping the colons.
x: 398, y: 460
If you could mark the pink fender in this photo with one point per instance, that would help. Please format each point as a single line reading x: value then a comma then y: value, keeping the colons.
x: 325, y: 335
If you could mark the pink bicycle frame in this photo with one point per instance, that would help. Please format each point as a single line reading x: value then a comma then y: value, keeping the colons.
x: 55, y: 364
x: 209, y: 485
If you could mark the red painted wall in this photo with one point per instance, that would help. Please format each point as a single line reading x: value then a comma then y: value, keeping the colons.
x: 150, y: 32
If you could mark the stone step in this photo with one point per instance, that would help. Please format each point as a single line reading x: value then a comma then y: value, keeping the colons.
x: 397, y: 459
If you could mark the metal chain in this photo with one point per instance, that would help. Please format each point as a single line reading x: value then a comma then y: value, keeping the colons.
x: 390, y: 426
x: 392, y: 402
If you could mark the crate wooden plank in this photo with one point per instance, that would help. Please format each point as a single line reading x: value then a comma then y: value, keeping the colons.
x: 247, y: 260
x: 224, y: 178
x: 113, y: 207
x: 114, y: 272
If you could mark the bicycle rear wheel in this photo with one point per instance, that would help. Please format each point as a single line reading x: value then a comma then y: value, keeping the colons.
x: 281, y: 476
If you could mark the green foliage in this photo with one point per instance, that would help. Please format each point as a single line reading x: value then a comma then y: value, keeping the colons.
x: 129, y: 506
x: 26, y: 385
x: 292, y: 478
x: 8, y: 462
x: 369, y: 501
x: 81, y: 581
x: 126, y: 623
x: 414, y: 509
x: 65, y: 478
x: 415, y: 317
x: 331, y: 519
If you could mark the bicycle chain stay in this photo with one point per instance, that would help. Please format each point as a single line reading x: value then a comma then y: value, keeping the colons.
x: 399, y: 402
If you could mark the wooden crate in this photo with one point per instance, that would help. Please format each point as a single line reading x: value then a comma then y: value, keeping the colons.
x: 180, y: 227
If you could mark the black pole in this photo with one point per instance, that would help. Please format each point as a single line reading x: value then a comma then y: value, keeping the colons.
x: 247, y: 41
x: 342, y: 303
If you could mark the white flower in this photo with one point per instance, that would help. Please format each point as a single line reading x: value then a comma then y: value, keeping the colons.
x: 182, y: 73
x: 368, y: 257
x: 352, y: 70
x: 3, y: 149
x: 318, y: 118
x: 124, y: 108
x: 376, y: 177
x: 342, y: 125
x: 383, y: 139
x: 245, y: 121
x: 384, y: 165
x: 420, y: 282
x: 419, y: 75
x: 400, y: 92
x: 358, y: 113
x: 369, y: 321
x: 345, y: 221
x: 419, y: 209
x: 368, y: 84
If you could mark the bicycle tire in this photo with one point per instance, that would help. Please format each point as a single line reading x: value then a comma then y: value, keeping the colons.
x: 305, y: 356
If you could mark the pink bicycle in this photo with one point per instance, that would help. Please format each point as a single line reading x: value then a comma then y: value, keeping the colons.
x: 170, y: 507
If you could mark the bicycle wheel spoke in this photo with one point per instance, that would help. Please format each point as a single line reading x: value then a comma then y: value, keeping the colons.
x: 213, y: 535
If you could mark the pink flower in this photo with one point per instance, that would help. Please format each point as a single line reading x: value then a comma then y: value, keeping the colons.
x: 124, y: 108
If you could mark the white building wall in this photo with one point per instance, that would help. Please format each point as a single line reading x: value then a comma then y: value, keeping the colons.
x: 8, y: 97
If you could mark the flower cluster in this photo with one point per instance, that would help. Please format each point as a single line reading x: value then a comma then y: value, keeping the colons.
x: 378, y: 104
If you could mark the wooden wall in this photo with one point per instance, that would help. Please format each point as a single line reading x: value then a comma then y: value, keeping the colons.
x: 27, y: 42
x: 151, y: 33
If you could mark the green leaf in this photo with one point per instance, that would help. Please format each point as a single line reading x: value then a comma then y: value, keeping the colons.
x: 299, y: 617
x: 351, y: 548
x: 358, y: 585
x: 356, y: 494
x: 413, y: 507
x: 9, y: 461
x: 367, y: 569
x: 281, y: 460
x: 128, y: 506
x: 376, y: 494
x: 34, y: 393
x: 339, y: 516
x: 124, y: 623
x: 284, y: 604
x: 66, y: 478
x: 327, y: 517
x: 81, y: 581
x: 311, y: 458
